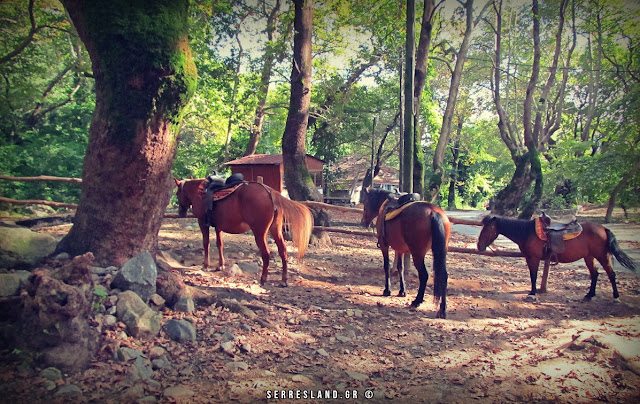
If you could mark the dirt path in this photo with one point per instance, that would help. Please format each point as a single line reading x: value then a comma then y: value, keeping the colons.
x: 331, y: 332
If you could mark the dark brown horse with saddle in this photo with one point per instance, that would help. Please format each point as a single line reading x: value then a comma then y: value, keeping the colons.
x: 568, y: 243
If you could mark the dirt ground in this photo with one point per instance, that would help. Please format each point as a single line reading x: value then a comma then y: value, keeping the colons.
x: 332, y: 337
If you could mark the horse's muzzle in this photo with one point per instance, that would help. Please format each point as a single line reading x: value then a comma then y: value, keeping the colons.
x: 481, y: 247
x: 182, y: 212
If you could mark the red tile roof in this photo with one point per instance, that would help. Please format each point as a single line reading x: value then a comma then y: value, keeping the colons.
x: 265, y: 159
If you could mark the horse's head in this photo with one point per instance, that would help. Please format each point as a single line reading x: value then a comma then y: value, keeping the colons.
x: 373, y: 199
x: 184, y: 202
x: 489, y: 232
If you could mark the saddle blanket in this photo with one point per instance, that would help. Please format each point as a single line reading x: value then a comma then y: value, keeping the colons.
x: 543, y: 236
x: 223, y: 193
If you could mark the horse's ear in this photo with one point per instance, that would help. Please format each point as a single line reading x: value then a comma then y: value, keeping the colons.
x: 177, y: 182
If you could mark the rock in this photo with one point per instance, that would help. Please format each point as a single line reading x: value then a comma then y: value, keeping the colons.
x: 185, y: 304
x: 356, y: 375
x: 157, y: 352
x: 124, y: 354
x: 132, y: 393
x: 235, y: 366
x: 343, y: 339
x: 228, y: 347
x: 231, y: 271
x: 109, y: 320
x: 51, y: 373
x: 139, y: 274
x: 323, y: 352
x: 161, y: 363
x: 250, y: 267
x: 23, y: 248
x: 180, y: 330
x: 157, y: 302
x: 70, y: 390
x: 9, y: 285
x: 141, y: 321
x: 62, y: 256
x: 178, y: 393
x: 171, y: 287
x: 147, y: 399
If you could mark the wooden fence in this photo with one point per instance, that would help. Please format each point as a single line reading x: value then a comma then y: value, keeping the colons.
x: 319, y: 205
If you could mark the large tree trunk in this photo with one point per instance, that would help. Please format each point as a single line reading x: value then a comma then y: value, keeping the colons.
x: 296, y: 175
x: 619, y: 187
x: 144, y: 76
x: 508, y: 199
x: 437, y: 177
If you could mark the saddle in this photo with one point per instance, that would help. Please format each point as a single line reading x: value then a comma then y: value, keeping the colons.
x: 214, y: 188
x: 393, y: 206
x: 555, y: 232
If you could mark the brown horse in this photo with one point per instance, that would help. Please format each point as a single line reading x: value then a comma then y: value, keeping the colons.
x: 595, y: 242
x: 253, y: 206
x: 419, y: 227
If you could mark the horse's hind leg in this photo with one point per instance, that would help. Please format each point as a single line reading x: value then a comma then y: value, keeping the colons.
x: 423, y: 276
x: 276, y: 233
x: 220, y: 245
x: 606, y: 264
x: 398, y: 258
x: 593, y: 273
x: 261, y: 242
x: 204, y: 229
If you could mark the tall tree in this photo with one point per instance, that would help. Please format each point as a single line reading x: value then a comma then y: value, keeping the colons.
x: 541, y: 115
x: 435, y: 182
x: 273, y: 52
x: 409, y: 101
x: 144, y: 76
x: 296, y: 175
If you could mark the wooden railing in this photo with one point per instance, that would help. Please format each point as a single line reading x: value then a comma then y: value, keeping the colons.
x: 313, y: 204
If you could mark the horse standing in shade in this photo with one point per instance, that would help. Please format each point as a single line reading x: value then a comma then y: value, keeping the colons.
x: 420, y: 226
x: 594, y: 243
x: 252, y: 206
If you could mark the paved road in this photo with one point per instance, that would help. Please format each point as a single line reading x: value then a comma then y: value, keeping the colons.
x: 623, y: 232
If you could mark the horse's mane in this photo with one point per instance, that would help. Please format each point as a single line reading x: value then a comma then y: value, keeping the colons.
x: 515, y: 229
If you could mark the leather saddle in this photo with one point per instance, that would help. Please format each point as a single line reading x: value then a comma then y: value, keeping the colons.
x: 555, y: 232
x: 215, y: 188
x: 394, y: 204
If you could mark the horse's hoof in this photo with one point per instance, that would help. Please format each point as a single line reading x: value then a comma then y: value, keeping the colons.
x: 386, y: 293
x: 587, y: 298
x: 415, y: 303
x: 284, y: 284
x: 402, y: 294
x: 441, y: 315
x: 542, y: 290
x: 616, y: 299
x: 531, y: 298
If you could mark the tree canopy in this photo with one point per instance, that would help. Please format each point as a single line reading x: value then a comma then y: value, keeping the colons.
x: 585, y: 97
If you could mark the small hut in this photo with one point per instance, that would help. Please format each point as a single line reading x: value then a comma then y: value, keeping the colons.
x: 271, y: 169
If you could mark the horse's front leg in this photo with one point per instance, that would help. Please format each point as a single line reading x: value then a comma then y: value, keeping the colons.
x: 204, y: 229
x: 387, y: 280
x: 220, y: 245
x: 533, y: 264
x: 545, y: 276
x: 399, y: 257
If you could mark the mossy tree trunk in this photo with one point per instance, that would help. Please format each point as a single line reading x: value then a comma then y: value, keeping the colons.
x: 296, y: 175
x: 144, y: 76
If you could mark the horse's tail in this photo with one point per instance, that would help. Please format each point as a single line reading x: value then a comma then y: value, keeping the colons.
x: 621, y: 256
x: 439, y: 249
x: 299, y: 219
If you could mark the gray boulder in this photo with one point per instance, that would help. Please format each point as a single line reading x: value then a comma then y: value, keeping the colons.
x: 139, y: 274
x: 23, y: 248
x: 9, y: 285
x: 180, y: 330
x: 141, y: 321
